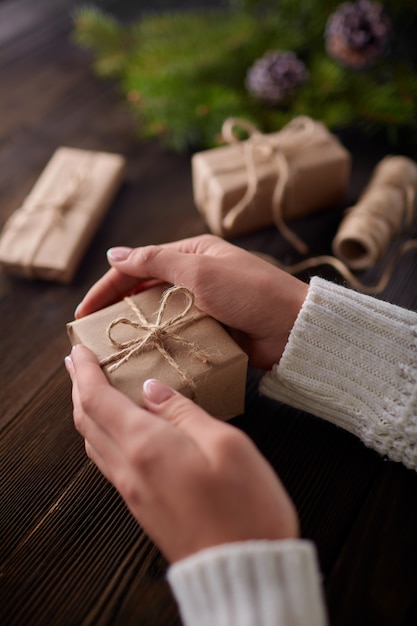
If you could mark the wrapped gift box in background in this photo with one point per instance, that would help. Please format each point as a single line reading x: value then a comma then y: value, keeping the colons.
x: 267, y: 179
x: 47, y: 236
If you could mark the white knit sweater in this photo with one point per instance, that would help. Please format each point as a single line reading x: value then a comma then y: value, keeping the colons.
x: 350, y: 359
x: 253, y: 583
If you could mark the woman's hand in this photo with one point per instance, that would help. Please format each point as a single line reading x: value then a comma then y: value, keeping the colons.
x: 255, y: 299
x: 191, y: 481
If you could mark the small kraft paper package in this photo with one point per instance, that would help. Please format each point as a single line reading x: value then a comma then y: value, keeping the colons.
x: 47, y: 236
x: 160, y: 333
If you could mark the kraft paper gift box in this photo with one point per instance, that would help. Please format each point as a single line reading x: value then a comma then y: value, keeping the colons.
x: 47, y: 236
x: 269, y: 179
x: 159, y: 333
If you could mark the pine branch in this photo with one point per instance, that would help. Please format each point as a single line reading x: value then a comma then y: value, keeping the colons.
x: 183, y: 73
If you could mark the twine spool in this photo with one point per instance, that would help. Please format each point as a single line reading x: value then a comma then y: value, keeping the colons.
x: 384, y: 210
x: 387, y: 207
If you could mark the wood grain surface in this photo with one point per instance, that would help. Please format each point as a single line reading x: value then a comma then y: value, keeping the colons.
x: 70, y: 553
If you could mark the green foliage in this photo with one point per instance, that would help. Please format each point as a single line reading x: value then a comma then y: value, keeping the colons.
x: 183, y: 73
x: 102, y: 33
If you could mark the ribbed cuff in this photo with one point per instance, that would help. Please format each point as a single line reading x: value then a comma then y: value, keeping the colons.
x: 352, y: 359
x: 254, y: 583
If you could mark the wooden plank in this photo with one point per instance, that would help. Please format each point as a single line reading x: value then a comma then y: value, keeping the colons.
x: 59, y: 518
x: 327, y: 472
x: 39, y: 453
x: 375, y: 578
x: 94, y: 562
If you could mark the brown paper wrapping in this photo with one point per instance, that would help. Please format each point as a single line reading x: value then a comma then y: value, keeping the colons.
x: 315, y: 165
x: 219, y: 384
x: 48, y: 235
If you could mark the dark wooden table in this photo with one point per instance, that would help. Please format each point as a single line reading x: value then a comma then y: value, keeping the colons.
x: 70, y: 553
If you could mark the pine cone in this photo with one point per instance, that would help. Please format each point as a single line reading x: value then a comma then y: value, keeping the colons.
x: 275, y: 77
x: 357, y: 33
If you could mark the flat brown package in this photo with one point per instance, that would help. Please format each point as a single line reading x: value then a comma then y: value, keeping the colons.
x: 159, y: 333
x: 267, y: 179
x: 47, y: 236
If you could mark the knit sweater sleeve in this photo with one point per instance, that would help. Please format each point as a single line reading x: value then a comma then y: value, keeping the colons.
x: 352, y: 360
x: 253, y: 583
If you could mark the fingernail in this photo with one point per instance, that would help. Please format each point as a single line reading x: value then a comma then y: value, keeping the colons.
x: 118, y: 254
x: 156, y: 392
x: 76, y: 310
x: 69, y: 364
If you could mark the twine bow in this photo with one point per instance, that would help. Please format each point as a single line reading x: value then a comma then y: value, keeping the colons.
x: 156, y: 334
x: 274, y: 148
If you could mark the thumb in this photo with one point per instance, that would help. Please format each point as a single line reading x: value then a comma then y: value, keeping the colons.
x: 149, y: 262
x: 177, y: 409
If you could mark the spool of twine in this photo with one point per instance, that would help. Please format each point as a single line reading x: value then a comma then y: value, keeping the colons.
x: 384, y: 211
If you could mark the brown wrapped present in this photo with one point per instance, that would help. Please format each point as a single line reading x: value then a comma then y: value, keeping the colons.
x: 267, y: 179
x: 159, y: 333
x: 48, y: 235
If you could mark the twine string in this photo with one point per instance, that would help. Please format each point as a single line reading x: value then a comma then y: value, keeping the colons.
x: 61, y: 204
x: 274, y: 148
x: 385, y: 211
x: 343, y: 270
x: 154, y: 335
x: 57, y: 208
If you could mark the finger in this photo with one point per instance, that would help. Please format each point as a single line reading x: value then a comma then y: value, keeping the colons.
x: 131, y: 267
x: 126, y: 275
x: 108, y: 467
x: 204, y: 275
x: 120, y: 474
x: 127, y: 443
x: 181, y: 412
x: 110, y: 288
x: 96, y: 439
x: 94, y: 397
x: 169, y: 262
x: 202, y: 244
x: 161, y: 262
x: 148, y: 261
x: 144, y: 267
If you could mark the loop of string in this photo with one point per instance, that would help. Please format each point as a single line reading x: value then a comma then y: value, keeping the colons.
x: 345, y: 272
x: 154, y: 335
x: 274, y: 148
x: 385, y: 211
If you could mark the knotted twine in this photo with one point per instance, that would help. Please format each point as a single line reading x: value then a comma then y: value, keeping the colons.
x: 275, y: 148
x: 156, y: 335
x: 52, y: 211
x: 385, y: 211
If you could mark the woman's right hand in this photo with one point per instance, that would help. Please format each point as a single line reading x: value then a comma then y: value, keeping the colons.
x: 255, y: 299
